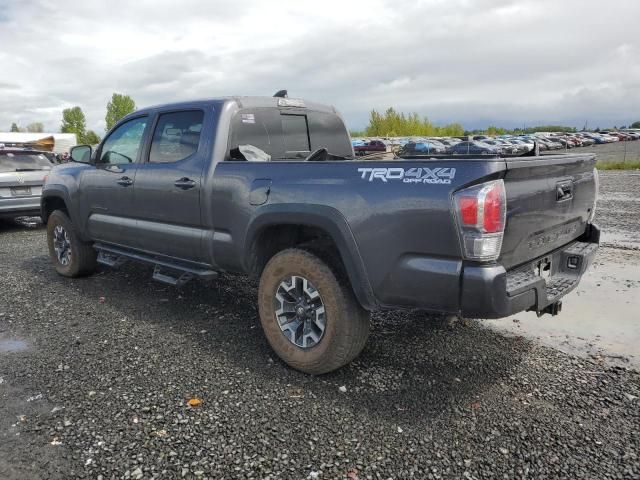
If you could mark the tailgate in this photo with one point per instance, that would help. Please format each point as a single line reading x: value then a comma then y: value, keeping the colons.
x: 14, y: 184
x: 549, y: 199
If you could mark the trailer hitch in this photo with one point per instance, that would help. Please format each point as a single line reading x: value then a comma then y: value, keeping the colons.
x: 552, y: 309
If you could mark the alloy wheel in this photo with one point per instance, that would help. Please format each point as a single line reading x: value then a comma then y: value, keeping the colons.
x: 300, y: 311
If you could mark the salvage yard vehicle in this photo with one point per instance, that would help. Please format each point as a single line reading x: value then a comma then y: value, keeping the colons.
x: 474, y: 147
x: 370, y: 147
x: 270, y: 187
x: 22, y: 173
x: 427, y: 147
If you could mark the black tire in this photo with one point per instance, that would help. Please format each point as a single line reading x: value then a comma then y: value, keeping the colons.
x: 346, y: 323
x: 82, y: 258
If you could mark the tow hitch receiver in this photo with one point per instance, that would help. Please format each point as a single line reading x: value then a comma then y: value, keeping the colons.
x: 552, y: 309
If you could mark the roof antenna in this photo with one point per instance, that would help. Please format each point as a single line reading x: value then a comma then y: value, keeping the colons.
x: 281, y: 94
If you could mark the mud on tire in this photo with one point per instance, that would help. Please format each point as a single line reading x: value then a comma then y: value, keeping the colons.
x: 70, y: 256
x: 346, y: 323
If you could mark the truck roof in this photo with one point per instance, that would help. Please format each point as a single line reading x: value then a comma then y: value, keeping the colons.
x: 243, y: 102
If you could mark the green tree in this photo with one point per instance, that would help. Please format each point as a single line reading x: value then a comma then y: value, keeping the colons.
x: 119, y: 106
x: 14, y: 127
x: 36, y: 127
x: 375, y: 124
x: 74, y: 121
x: 392, y: 124
x: 492, y: 130
x: 91, y: 138
x: 635, y: 124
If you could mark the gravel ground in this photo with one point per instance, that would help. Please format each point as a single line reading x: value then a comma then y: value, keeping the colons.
x: 96, y: 373
x: 618, y: 210
x: 616, y: 152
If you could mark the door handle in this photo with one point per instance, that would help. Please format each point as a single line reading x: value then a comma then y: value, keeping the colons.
x: 185, y: 183
x: 125, y: 181
x: 564, y: 191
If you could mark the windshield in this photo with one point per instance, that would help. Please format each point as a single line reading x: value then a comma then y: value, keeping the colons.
x: 23, y: 161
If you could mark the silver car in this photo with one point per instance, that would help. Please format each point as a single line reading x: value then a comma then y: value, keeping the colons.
x: 22, y: 173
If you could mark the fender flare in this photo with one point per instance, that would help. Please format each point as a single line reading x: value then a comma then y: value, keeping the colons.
x: 325, y: 218
x: 60, y: 192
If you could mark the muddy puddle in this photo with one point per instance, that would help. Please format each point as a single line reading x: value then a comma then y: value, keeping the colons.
x: 11, y: 345
x: 599, y: 320
x: 620, y: 238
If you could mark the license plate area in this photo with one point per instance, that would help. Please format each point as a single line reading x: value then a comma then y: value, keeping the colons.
x: 20, y: 191
x: 542, y: 268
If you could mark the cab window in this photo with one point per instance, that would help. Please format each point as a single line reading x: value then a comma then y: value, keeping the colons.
x: 123, y: 144
x: 176, y: 137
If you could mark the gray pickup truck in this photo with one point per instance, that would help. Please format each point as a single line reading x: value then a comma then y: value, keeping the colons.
x: 270, y: 187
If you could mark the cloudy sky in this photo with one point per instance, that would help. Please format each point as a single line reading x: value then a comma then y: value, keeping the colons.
x: 476, y: 62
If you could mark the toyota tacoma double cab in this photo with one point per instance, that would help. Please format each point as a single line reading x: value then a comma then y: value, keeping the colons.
x: 270, y: 187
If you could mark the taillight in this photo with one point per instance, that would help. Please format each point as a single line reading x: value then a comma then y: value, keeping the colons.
x: 44, y: 179
x: 481, y: 216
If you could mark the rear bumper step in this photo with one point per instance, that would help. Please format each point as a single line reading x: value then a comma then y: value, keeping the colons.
x: 566, y: 266
x: 539, y: 285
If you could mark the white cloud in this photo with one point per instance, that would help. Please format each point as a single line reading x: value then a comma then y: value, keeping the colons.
x: 504, y: 62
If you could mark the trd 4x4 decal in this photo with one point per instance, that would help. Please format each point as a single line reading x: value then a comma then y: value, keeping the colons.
x: 437, y: 175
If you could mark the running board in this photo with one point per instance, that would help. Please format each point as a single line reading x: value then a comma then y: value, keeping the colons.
x: 110, y: 259
x: 165, y: 271
x: 176, y: 278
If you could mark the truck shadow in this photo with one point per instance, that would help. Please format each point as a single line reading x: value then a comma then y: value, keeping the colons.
x: 21, y: 223
x: 413, y: 365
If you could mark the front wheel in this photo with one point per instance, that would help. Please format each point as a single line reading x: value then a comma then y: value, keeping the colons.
x: 310, y: 317
x: 70, y: 256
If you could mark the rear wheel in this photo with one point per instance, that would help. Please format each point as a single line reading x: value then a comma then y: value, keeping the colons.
x: 70, y: 256
x: 310, y: 315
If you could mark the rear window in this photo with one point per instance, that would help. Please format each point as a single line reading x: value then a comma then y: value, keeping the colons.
x: 23, y: 162
x: 259, y: 128
x: 296, y: 133
x: 287, y: 136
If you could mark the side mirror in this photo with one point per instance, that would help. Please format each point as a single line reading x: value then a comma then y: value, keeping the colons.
x: 81, y: 154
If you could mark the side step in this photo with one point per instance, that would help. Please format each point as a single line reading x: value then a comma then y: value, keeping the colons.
x: 110, y: 259
x: 166, y: 271
x: 173, y: 277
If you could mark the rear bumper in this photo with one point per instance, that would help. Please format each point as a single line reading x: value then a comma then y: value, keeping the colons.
x: 493, y: 292
x: 20, y: 206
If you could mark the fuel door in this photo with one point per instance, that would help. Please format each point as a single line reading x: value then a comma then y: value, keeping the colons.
x: 260, y: 189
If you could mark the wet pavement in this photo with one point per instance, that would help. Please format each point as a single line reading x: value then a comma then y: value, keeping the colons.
x: 599, y: 320
x: 9, y: 345
x: 618, y: 209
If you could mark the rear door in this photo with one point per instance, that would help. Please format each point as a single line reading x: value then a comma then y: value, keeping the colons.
x: 168, y: 185
x: 549, y: 201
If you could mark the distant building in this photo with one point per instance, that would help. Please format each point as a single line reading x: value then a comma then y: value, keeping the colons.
x: 51, y: 142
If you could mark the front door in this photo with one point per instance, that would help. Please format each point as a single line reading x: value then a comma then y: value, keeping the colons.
x: 167, y: 187
x: 106, y: 191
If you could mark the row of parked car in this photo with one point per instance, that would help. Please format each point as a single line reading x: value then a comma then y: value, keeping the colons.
x: 489, y: 145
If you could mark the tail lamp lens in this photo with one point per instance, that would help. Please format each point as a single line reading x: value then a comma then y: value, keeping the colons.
x: 481, y: 216
x: 469, y: 210
x: 493, y: 219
